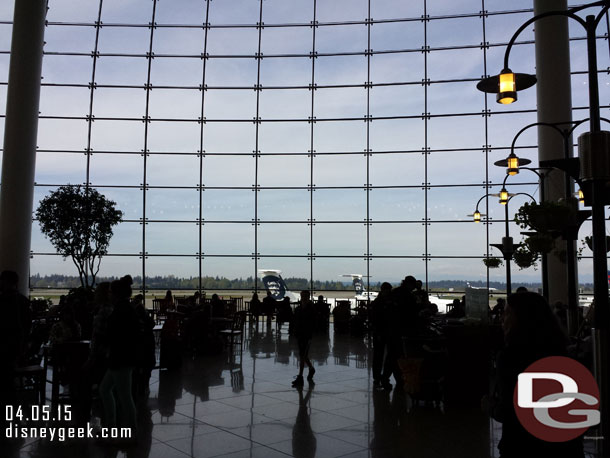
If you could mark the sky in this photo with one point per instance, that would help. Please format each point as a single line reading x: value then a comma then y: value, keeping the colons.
x: 397, y: 170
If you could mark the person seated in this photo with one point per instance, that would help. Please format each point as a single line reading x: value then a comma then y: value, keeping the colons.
x: 284, y: 313
x: 255, y: 306
x: 66, y: 329
x: 458, y: 310
x: 322, y: 309
x: 268, y: 306
x: 218, y: 307
x: 498, y: 311
x: 167, y: 303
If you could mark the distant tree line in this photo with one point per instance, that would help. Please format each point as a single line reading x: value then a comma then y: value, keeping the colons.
x: 293, y: 283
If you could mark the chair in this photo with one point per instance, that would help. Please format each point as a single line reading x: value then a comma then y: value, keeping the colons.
x: 32, y: 380
x: 236, y: 331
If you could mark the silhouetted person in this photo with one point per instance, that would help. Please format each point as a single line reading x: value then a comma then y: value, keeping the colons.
x: 145, y: 351
x: 218, y: 307
x: 521, y: 289
x: 322, y: 313
x: 67, y: 329
x: 531, y: 332
x: 269, y: 304
x: 167, y: 303
x: 381, y: 309
x: 304, y: 443
x: 115, y: 388
x: 14, y: 330
x: 304, y: 323
x: 458, y: 310
x: 255, y: 306
x: 284, y: 314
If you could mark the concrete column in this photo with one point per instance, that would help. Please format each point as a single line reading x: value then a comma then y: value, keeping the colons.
x: 554, y: 99
x: 21, y: 131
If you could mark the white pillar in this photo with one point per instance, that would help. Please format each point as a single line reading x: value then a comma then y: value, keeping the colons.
x: 554, y: 99
x: 21, y: 130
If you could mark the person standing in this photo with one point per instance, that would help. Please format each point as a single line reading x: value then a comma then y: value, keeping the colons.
x: 304, y: 324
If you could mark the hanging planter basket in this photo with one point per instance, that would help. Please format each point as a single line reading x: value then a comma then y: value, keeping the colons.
x: 525, y: 258
x: 589, y: 242
x: 540, y: 243
x: 492, y: 263
x: 546, y: 216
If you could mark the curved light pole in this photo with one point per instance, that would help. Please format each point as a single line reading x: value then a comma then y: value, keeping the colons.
x: 594, y: 156
x: 571, y: 167
x: 507, y: 247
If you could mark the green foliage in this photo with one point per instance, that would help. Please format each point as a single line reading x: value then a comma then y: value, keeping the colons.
x: 524, y: 257
x: 545, y: 216
x: 78, y: 221
x: 492, y: 263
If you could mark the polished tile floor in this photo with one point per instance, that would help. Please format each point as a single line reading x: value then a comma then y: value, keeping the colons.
x: 247, y: 408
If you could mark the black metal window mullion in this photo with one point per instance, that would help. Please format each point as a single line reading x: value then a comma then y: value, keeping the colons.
x: 259, y: 58
x: 311, y: 187
x: 201, y: 152
x: 426, y: 151
x: 368, y: 148
x: 144, y: 219
x: 487, y: 147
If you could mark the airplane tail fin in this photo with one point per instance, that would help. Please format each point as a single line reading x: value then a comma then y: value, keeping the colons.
x: 274, y: 283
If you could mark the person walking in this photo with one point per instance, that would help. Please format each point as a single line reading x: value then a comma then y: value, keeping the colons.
x: 304, y: 325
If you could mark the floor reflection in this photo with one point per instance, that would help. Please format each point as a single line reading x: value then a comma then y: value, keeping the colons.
x: 243, y: 405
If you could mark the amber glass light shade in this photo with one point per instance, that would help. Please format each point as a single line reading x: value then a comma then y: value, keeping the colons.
x: 503, y: 196
x: 513, y: 164
x: 507, y: 88
x: 477, y: 216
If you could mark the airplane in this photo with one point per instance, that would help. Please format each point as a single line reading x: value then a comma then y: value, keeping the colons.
x: 361, y: 293
x: 273, y: 281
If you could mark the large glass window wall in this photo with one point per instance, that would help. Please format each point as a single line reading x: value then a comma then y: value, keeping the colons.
x: 321, y: 138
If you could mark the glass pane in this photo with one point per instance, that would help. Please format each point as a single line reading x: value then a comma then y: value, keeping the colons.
x: 233, y: 42
x: 288, y: 40
x: 126, y: 238
x: 455, y: 167
x: 242, y: 268
x: 172, y: 238
x: 352, y: 166
x: 339, y: 205
x: 229, y: 137
x: 121, y: 11
x: 284, y: 239
x: 134, y: 70
x: 452, y: 239
x: 278, y: 12
x: 396, y: 239
x: 163, y: 71
x: 116, y: 169
x: 333, y: 269
x: 171, y: 40
x: 128, y: 200
x: 340, y: 103
x: 294, y: 71
x: 174, y: 170
x: 65, y: 69
x: 175, y: 104
x: 172, y: 204
x: 284, y: 137
x: 233, y: 72
x: 64, y: 101
x: 395, y: 270
x: 341, y: 70
x: 69, y: 39
x: 60, y: 168
x: 228, y: 205
x: 457, y: 31
x: 119, y: 103
x: 397, y: 135
x: 70, y: 11
x: 452, y: 132
x: 227, y: 239
x: 396, y: 169
x: 339, y: 239
x: 340, y: 136
x: 226, y: 104
x: 341, y: 10
x: 402, y: 67
x: 453, y: 203
x: 174, y: 136
x: 284, y: 205
x: 125, y: 40
x: 396, y: 100
x: 284, y: 171
x: 62, y: 134
x: 228, y: 171
x: 397, y: 204
x: 285, y: 104
x: 168, y: 266
x: 117, y: 136
x: 345, y: 38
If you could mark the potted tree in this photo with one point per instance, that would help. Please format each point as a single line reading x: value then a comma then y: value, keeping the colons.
x: 78, y: 221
